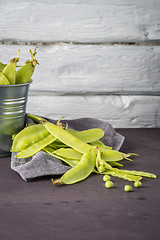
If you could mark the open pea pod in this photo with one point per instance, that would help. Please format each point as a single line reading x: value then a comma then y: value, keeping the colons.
x: 126, y: 176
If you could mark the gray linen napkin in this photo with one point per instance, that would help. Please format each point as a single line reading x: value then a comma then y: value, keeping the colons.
x: 42, y: 164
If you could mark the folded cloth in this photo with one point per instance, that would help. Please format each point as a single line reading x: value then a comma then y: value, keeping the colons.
x: 43, y: 164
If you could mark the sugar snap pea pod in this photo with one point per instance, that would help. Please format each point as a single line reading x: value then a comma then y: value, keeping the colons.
x: 125, y: 176
x: 68, y: 153
x: 110, y: 155
x: 10, y: 70
x: 89, y: 135
x: 28, y: 136
x: 58, y: 144
x: 24, y: 74
x: 139, y: 173
x: 3, y: 80
x: 2, y: 66
x: 113, y: 155
x: 81, y: 171
x: 67, y: 137
x: 70, y: 162
x: 36, y: 147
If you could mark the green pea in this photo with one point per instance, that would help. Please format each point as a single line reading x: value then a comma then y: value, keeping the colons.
x: 106, y: 178
x: 137, y: 184
x: 102, y: 163
x: 127, y: 188
x: 108, y: 184
x: 101, y: 169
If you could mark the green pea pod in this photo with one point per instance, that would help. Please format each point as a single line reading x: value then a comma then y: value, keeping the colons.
x: 24, y: 74
x: 110, y: 155
x: 68, y: 153
x: 36, y: 147
x: 28, y: 136
x: 70, y: 162
x: 67, y: 137
x: 10, y: 70
x: 3, y: 80
x: 89, y: 135
x: 81, y: 171
x: 2, y: 66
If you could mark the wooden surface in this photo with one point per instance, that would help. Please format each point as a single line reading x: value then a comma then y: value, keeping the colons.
x: 97, y: 59
x: 86, y: 210
x: 84, y: 21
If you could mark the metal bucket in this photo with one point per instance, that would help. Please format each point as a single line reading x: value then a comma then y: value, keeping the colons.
x: 13, y: 100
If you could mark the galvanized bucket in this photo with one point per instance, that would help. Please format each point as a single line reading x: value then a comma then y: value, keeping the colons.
x: 13, y: 100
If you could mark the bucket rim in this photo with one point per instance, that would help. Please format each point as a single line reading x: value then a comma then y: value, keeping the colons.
x: 16, y: 85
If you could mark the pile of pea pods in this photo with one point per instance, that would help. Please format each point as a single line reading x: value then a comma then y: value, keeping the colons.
x: 9, y: 75
x: 82, y: 150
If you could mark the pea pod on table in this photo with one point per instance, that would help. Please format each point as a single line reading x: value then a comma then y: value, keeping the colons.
x: 81, y: 171
x: 84, y: 158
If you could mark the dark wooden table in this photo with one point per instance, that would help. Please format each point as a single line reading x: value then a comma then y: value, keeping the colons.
x: 39, y: 210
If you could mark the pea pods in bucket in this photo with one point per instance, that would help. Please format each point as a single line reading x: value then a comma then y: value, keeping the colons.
x: 83, y: 151
x: 14, y: 86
